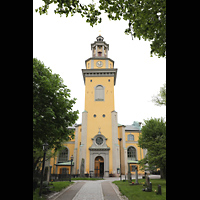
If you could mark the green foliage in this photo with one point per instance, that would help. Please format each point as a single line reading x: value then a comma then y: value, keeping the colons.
x: 73, y: 6
x: 52, y: 108
x: 161, y: 98
x: 36, y: 195
x: 146, y: 18
x: 153, y: 138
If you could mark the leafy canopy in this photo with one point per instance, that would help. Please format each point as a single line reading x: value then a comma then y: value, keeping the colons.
x: 52, y: 108
x: 160, y: 99
x: 146, y: 18
x: 153, y: 138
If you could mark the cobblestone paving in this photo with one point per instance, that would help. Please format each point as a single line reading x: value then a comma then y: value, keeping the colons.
x: 90, y: 190
x: 108, y: 191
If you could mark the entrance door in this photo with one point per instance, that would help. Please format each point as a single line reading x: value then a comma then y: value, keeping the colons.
x: 101, y: 169
x: 99, y: 166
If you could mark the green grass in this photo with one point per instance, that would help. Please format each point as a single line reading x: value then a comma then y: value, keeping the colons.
x: 60, y: 185
x: 57, y: 187
x: 134, y: 192
x: 36, y: 195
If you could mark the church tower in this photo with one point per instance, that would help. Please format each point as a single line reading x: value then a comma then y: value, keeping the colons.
x: 99, y: 149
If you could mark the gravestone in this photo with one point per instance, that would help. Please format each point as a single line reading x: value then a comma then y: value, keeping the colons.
x: 150, y: 187
x: 136, y: 176
x: 82, y: 168
x: 159, y: 190
x: 129, y: 173
x: 147, y: 181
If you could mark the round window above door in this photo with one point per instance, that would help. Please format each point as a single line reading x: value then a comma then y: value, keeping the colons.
x: 99, y: 140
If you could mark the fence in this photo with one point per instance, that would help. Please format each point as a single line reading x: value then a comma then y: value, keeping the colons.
x: 37, y: 176
x: 60, y: 177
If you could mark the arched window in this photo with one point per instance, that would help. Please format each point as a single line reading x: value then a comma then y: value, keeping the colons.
x: 130, y: 137
x: 63, y: 156
x: 99, y: 93
x: 131, y: 152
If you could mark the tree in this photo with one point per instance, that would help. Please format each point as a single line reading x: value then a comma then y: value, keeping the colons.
x: 52, y: 110
x: 160, y: 99
x: 153, y: 138
x: 146, y: 18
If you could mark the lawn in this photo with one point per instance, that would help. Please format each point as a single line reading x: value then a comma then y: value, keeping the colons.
x: 134, y: 192
x: 57, y: 187
x: 60, y: 185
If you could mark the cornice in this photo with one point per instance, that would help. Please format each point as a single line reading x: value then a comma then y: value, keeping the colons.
x: 99, y: 73
x: 99, y: 149
x: 100, y: 58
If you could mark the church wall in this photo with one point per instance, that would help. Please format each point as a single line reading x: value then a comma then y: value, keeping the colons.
x: 59, y: 168
x: 100, y: 117
x: 77, y: 149
x: 84, y: 143
x: 121, y: 134
x: 115, y: 146
x: 99, y: 108
x: 70, y: 146
x: 134, y: 143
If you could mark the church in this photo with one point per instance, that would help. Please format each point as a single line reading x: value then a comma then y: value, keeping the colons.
x: 101, y: 146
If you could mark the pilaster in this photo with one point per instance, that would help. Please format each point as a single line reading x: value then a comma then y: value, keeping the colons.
x: 83, y: 146
x: 115, y: 146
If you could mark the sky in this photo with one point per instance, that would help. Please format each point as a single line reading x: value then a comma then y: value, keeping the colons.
x: 63, y: 44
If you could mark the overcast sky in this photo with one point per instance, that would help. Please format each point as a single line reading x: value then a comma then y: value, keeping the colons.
x: 63, y: 44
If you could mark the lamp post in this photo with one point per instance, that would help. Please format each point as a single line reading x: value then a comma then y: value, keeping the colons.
x: 120, y: 139
x: 71, y: 167
x: 45, y: 147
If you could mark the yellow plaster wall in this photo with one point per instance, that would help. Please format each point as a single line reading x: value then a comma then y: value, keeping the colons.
x: 53, y: 160
x: 139, y: 150
x: 99, y: 108
x: 68, y: 167
x: 110, y: 64
x: 88, y: 64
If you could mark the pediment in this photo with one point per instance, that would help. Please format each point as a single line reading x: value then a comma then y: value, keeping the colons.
x: 99, y: 143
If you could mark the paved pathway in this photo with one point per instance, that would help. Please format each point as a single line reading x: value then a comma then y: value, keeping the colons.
x: 93, y: 190
x: 89, y: 190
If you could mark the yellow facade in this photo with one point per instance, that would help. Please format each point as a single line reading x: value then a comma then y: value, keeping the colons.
x: 110, y: 64
x: 99, y: 108
x: 96, y: 148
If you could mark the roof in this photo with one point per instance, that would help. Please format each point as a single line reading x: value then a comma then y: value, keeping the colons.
x: 135, y: 126
x: 132, y: 161
x: 65, y: 163
x: 131, y: 128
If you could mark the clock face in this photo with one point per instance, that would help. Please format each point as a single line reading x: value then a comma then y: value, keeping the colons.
x: 99, y: 63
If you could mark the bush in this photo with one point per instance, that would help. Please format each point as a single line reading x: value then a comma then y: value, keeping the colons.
x: 35, y: 183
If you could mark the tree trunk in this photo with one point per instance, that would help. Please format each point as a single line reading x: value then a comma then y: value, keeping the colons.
x: 163, y: 173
